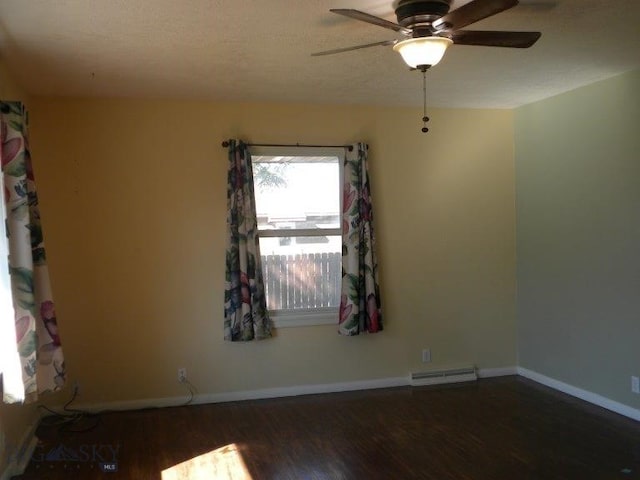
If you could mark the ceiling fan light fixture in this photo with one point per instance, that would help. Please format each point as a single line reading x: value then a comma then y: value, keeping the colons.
x: 422, y: 51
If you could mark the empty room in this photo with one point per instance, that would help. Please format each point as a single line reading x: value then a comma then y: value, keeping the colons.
x: 321, y: 240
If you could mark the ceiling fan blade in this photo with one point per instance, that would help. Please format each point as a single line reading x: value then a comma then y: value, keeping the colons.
x: 365, y: 17
x: 357, y: 47
x: 495, y: 39
x: 471, y: 13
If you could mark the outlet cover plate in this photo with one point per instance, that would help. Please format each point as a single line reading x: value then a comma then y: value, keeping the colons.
x: 426, y: 355
x: 635, y: 384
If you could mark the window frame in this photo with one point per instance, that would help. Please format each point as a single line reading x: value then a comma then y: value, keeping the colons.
x: 284, y: 318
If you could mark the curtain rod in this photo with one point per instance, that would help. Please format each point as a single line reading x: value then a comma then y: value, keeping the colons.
x: 225, y: 144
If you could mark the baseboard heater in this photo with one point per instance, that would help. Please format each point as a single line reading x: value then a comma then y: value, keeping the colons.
x: 436, y: 377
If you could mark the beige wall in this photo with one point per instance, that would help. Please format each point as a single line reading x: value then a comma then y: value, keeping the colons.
x: 9, y: 90
x: 133, y: 202
x: 15, y: 420
x: 578, y: 229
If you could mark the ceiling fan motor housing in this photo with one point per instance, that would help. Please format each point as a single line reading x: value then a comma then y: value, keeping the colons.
x: 419, y: 14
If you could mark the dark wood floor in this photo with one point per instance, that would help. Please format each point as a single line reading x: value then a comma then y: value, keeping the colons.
x: 502, y: 428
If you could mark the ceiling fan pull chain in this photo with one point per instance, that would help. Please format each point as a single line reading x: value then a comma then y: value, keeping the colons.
x: 425, y: 119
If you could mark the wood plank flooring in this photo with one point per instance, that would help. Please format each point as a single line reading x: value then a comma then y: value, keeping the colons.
x: 502, y: 428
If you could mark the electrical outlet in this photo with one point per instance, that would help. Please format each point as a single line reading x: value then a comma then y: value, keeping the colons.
x: 635, y: 384
x: 426, y: 355
x: 76, y: 388
x: 182, y: 375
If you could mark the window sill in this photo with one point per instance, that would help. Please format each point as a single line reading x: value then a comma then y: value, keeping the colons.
x: 304, y: 318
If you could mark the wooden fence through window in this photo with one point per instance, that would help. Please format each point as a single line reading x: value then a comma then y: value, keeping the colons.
x: 308, y: 280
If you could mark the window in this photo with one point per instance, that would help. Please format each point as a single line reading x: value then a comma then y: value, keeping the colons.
x: 299, y: 228
x: 10, y: 366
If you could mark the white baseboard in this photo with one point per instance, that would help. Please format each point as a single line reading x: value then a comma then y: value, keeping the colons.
x: 265, y: 393
x: 246, y: 395
x: 496, y: 372
x: 20, y: 455
x: 463, y: 378
x: 585, y: 395
x: 351, y: 386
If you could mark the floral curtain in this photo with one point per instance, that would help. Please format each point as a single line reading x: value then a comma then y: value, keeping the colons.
x: 31, y: 355
x: 360, y: 295
x: 245, y: 307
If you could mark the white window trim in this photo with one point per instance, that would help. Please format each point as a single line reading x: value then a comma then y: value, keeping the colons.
x: 315, y: 316
x: 304, y: 318
x: 299, y: 232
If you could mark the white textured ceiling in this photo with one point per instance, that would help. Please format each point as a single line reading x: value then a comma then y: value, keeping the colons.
x: 259, y: 50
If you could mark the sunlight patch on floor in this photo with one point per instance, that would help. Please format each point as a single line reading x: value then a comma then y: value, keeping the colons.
x: 225, y: 463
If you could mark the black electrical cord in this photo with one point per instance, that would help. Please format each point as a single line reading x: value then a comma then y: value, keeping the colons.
x: 192, y: 391
x: 69, y: 419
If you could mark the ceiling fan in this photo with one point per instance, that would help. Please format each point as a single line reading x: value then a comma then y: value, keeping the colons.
x: 430, y: 28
